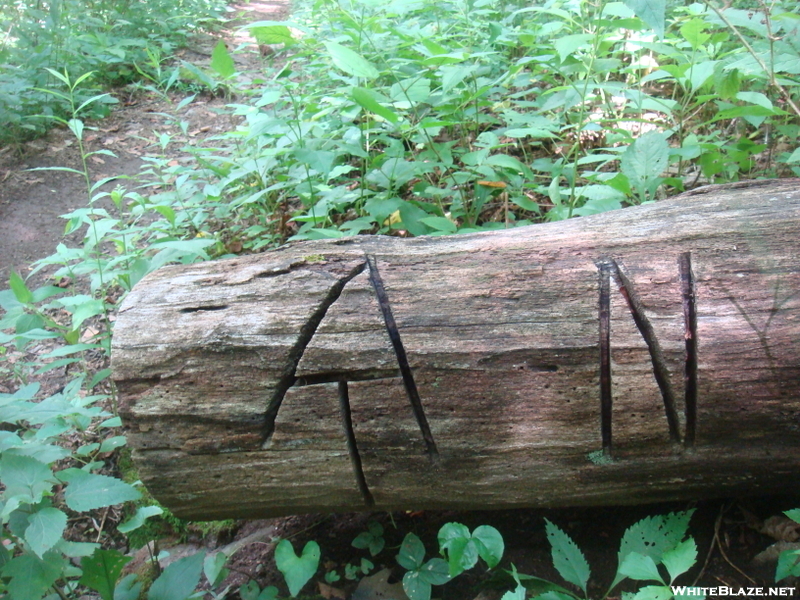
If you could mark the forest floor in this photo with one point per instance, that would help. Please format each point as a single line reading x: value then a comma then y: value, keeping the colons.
x: 731, y: 534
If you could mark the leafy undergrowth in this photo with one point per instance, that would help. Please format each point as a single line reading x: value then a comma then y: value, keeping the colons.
x: 403, y: 118
x: 115, y: 40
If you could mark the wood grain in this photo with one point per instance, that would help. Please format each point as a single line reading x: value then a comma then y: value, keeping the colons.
x: 230, y: 372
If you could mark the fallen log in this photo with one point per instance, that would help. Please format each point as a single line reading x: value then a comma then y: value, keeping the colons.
x: 641, y: 355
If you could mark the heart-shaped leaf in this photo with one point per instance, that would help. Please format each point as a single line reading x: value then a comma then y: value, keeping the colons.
x: 297, y: 570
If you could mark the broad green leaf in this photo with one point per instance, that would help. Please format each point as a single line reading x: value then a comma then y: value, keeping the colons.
x: 214, y: 568
x: 435, y: 572
x: 653, y: 592
x: 179, y: 580
x: 411, y: 218
x: 393, y: 173
x: 101, y: 571
x: 567, y: 557
x: 21, y: 291
x: 517, y: 594
x: 411, y: 91
x: 412, y: 552
x: 788, y: 565
x: 137, y: 520
x: 45, y: 527
x: 440, y: 224
x: 272, y: 34
x: 645, y: 160
x: 756, y: 98
x: 652, y: 12
x: 85, y: 311
x: 351, y: 62
x: 653, y: 536
x: 490, y: 544
x: 251, y: 591
x: 415, y: 588
x: 793, y: 514
x: 450, y: 532
x: 693, y: 31
x: 221, y: 61
x: 87, y: 491
x: 31, y: 576
x: 640, y: 568
x: 297, y: 570
x: 569, y: 44
x: 128, y: 588
x: 504, y: 161
x: 369, y: 101
x: 319, y: 160
x: 597, y: 205
x: 25, y: 476
x: 699, y: 73
x: 112, y: 443
x: 680, y: 559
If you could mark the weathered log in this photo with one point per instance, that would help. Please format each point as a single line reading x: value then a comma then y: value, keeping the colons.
x: 646, y: 354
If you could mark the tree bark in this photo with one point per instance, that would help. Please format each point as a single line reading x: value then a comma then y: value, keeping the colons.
x: 641, y: 355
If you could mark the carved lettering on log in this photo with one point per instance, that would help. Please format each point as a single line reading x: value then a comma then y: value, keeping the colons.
x: 466, y: 371
x: 608, y: 267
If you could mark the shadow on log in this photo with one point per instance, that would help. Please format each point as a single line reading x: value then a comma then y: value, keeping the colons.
x: 641, y: 355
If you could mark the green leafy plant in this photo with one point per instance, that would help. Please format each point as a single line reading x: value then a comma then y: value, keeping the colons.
x: 421, y: 574
x: 655, y: 550
x: 789, y: 560
x: 297, y: 570
x: 372, y: 539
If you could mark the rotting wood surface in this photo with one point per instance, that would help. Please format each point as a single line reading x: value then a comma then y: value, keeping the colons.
x: 640, y: 355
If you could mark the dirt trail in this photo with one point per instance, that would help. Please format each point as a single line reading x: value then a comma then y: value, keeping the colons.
x: 31, y: 202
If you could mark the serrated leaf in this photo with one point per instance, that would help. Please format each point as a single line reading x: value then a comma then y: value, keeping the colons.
x: 101, y: 571
x: 272, y: 34
x: 297, y: 570
x: 87, y: 491
x: 221, y: 61
x: 646, y: 158
x: 412, y: 552
x: 369, y: 101
x: 44, y: 529
x: 137, y: 520
x: 653, y: 536
x: 640, y: 568
x: 788, y: 565
x: 793, y: 514
x: 567, y: 557
x: 31, y: 576
x: 680, y: 559
x: 351, y: 62
x: 653, y: 592
x: 25, y: 476
x: 179, y: 580
x: 652, y: 12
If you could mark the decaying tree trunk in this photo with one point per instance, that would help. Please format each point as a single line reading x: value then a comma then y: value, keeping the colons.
x: 640, y: 355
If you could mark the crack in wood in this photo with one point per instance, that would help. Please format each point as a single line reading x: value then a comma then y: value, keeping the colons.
x: 690, y: 334
x: 352, y: 445
x: 606, y: 398
x: 307, y: 332
x: 194, y: 309
x: 402, y: 358
x: 660, y: 370
x: 364, y: 375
